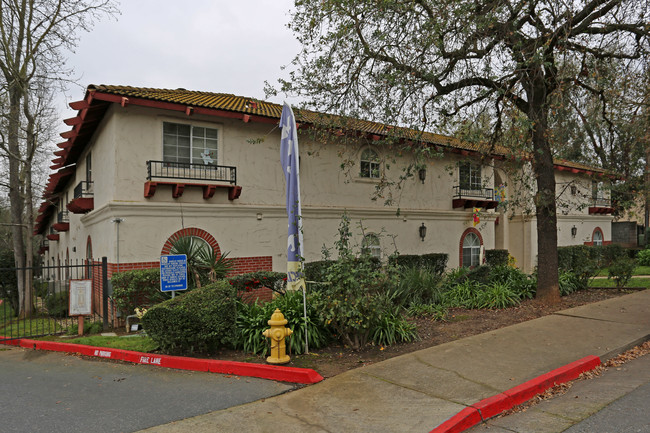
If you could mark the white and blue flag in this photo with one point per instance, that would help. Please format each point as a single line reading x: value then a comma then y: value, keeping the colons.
x: 290, y: 165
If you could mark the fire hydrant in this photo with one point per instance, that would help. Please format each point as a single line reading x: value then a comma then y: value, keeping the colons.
x: 277, y: 333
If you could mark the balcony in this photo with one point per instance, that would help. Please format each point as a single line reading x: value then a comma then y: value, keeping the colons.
x: 83, y: 201
x: 474, y: 197
x: 601, y: 205
x: 62, y: 222
x: 208, y: 177
x: 52, y: 235
x: 45, y: 246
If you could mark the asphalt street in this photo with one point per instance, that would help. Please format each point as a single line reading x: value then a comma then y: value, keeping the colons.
x: 55, y: 392
x: 629, y: 414
x: 615, y: 402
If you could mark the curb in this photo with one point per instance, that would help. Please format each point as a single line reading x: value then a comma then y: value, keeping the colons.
x: 263, y: 371
x: 492, y: 406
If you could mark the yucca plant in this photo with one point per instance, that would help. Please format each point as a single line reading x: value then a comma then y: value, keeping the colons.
x: 203, y: 263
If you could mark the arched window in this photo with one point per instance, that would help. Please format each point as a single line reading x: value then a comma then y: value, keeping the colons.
x: 369, y: 164
x: 371, y: 245
x: 597, y: 237
x: 89, y: 258
x: 191, y: 246
x: 471, y: 250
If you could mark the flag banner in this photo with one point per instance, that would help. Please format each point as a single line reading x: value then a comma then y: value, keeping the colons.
x: 290, y: 165
x: 476, y: 216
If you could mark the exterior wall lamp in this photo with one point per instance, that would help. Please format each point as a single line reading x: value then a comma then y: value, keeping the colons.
x: 423, y: 231
x: 422, y: 174
x: 574, y: 231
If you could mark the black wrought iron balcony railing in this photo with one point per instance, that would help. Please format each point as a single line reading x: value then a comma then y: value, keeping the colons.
x: 474, y: 193
x: 601, y: 202
x: 190, y: 171
x: 83, y: 189
x: 62, y: 217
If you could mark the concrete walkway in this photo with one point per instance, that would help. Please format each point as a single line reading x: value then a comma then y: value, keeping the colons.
x: 419, y: 391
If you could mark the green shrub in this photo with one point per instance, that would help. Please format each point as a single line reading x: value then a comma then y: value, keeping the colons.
x: 611, y: 252
x: 464, y: 294
x: 436, y: 312
x: 621, y: 270
x: 41, y: 288
x: 523, y: 285
x: 57, y: 304
x: 8, y: 279
x: 643, y: 257
x: 435, y: 262
x: 496, y: 257
x: 583, y: 261
x: 252, y: 319
x: 137, y: 289
x: 569, y: 282
x: 480, y: 274
x: 89, y: 328
x: 416, y: 285
x: 355, y: 295
x: 200, y: 320
x: 497, y: 296
x: 315, y: 271
x: 392, y: 328
x: 276, y: 281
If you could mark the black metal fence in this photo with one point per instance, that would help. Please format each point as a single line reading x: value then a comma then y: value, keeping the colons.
x: 44, y: 307
x: 483, y: 193
x: 188, y: 171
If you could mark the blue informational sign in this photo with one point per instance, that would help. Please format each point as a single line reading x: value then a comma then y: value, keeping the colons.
x: 173, y: 273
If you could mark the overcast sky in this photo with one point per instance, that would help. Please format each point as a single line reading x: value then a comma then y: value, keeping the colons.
x: 209, y: 45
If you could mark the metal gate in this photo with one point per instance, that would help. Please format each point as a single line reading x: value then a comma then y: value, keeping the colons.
x: 45, y: 312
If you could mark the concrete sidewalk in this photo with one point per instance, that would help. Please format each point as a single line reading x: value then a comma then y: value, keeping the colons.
x: 419, y: 391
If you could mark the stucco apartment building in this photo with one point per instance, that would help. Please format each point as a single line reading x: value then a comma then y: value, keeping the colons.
x: 140, y: 167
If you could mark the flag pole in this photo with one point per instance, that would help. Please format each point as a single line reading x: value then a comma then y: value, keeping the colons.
x: 289, y: 158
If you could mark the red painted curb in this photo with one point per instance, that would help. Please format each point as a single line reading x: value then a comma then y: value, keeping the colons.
x: 463, y: 420
x: 491, y: 406
x: 271, y: 372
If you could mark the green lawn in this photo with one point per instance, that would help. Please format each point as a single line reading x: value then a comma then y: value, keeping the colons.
x: 608, y: 283
x: 137, y: 343
x: 640, y: 270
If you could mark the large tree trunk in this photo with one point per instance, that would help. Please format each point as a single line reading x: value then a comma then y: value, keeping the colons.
x: 16, y: 199
x: 548, y: 290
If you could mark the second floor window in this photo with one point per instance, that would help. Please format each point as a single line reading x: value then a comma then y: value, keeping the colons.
x: 369, y: 164
x: 189, y: 144
x: 89, y: 168
x: 469, y: 175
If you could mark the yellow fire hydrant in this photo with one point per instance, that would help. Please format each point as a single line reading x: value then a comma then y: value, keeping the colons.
x: 277, y: 333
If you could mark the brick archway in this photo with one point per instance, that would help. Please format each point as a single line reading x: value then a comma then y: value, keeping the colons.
x: 602, y: 235
x: 191, y: 231
x: 462, y: 239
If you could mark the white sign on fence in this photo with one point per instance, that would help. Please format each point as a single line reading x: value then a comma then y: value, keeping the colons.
x: 80, y: 298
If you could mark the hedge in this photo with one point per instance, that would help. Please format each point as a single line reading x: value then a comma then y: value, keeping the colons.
x: 496, y: 257
x: 137, y: 289
x: 276, y: 281
x: 437, y: 262
x: 201, y: 320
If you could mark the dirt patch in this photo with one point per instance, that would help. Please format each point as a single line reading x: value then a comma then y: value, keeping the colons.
x: 460, y: 323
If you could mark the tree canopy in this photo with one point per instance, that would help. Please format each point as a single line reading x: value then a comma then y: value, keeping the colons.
x: 419, y: 62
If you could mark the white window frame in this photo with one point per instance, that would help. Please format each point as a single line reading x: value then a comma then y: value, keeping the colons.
x: 371, y: 244
x: 192, y: 147
x: 473, y: 250
x: 597, y: 242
